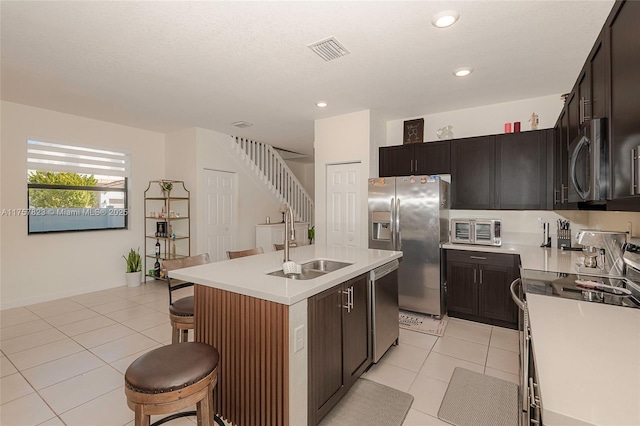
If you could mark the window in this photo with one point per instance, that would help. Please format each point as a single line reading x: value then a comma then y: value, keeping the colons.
x: 73, y: 188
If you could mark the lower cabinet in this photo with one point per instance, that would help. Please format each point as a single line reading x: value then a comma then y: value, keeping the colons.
x: 478, y: 287
x: 339, y: 343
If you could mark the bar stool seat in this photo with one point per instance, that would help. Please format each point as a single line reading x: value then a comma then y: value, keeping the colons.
x: 182, y: 307
x: 171, y: 378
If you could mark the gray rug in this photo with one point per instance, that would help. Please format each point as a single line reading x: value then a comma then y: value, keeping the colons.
x: 370, y: 403
x: 473, y: 399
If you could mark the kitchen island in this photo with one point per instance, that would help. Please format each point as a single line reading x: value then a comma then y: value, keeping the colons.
x: 259, y: 324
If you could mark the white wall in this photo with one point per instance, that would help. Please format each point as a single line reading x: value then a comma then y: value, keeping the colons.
x: 341, y: 139
x: 255, y: 203
x: 616, y: 221
x: 180, y: 164
x: 305, y: 172
x: 49, y: 266
x: 484, y: 120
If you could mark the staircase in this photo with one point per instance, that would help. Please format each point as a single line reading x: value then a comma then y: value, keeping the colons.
x: 276, y: 175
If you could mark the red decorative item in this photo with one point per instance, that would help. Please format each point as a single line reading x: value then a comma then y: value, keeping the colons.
x: 516, y: 126
x: 507, y: 127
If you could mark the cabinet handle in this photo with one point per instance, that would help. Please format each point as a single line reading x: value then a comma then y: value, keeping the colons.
x: 348, y: 305
x: 477, y: 257
x: 635, y: 171
x: 564, y: 199
x: 581, y: 110
x: 480, y: 276
x: 349, y: 293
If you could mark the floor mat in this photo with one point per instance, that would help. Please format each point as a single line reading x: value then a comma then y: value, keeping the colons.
x: 370, y: 403
x: 474, y: 399
x: 423, y: 323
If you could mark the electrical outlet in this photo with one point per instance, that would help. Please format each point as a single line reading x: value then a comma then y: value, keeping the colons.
x: 298, y: 335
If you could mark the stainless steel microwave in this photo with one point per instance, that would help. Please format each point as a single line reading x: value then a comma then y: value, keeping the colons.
x: 476, y: 231
x: 588, y: 163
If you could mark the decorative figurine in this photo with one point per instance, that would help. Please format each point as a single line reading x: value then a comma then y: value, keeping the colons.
x: 445, y: 133
x: 534, y: 121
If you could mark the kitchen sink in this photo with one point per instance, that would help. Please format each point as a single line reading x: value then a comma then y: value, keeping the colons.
x: 305, y: 275
x: 324, y: 265
x: 313, y: 269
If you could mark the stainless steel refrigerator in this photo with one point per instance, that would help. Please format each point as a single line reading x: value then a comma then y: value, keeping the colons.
x: 411, y: 214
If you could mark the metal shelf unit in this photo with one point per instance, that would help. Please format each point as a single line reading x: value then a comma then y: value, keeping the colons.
x: 174, y: 209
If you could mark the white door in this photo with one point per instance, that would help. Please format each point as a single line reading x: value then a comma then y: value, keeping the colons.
x: 343, y: 204
x: 220, y: 213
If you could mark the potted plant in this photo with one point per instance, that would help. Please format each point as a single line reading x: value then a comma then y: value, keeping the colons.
x: 311, y: 233
x: 134, y: 268
x: 166, y: 188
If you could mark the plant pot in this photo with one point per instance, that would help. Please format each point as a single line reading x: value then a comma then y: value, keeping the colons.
x: 133, y: 278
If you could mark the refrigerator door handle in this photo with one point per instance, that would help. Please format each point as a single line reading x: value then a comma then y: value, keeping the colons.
x: 392, y: 210
x: 398, y: 230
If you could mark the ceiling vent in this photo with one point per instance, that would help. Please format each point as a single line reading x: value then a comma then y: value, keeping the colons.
x: 329, y: 49
x: 242, y: 124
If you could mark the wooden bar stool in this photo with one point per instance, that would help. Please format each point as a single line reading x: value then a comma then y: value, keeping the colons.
x: 172, y: 378
x: 181, y: 310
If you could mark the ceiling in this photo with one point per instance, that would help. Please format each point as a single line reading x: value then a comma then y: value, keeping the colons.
x: 165, y: 66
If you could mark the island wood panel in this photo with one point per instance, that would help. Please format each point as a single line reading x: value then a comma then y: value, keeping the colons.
x: 252, y: 337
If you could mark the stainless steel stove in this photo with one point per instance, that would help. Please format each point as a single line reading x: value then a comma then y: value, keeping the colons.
x: 610, y: 291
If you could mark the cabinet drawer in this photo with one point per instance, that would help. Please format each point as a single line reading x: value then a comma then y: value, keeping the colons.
x: 484, y: 258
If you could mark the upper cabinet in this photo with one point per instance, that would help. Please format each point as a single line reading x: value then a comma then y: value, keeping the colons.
x: 472, y: 173
x: 624, y: 131
x: 507, y: 171
x: 521, y: 170
x: 429, y: 158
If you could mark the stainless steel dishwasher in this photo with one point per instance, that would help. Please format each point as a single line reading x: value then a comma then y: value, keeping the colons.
x: 384, y: 309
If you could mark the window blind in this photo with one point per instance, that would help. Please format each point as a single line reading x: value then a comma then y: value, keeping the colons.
x: 54, y: 157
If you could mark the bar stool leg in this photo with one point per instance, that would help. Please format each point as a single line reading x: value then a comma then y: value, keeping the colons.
x: 175, y: 334
x: 185, y: 336
x: 142, y: 419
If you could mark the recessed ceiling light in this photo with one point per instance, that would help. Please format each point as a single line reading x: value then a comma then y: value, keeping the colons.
x: 462, y: 72
x: 445, y: 18
x: 321, y: 104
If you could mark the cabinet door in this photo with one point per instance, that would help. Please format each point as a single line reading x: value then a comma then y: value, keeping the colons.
x: 433, y: 158
x: 521, y: 170
x: 625, y: 95
x: 326, y: 380
x: 462, y: 289
x: 599, y: 81
x: 357, y: 353
x: 494, y: 296
x: 396, y: 161
x: 573, y: 115
x: 472, y: 171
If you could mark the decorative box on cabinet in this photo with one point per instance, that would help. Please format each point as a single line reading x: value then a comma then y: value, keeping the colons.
x: 268, y: 234
x: 173, y: 208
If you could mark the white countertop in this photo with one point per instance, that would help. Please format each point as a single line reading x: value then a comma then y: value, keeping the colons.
x: 588, y: 358
x: 247, y: 275
x: 531, y: 257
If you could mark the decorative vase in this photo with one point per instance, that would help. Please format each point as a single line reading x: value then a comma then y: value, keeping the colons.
x: 133, y: 278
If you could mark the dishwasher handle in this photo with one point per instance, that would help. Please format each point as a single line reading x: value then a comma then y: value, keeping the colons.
x: 384, y: 270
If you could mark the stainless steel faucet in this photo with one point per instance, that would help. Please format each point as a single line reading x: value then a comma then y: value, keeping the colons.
x: 289, y: 232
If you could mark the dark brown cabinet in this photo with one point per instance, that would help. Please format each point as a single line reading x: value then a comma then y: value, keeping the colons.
x: 560, y: 171
x: 507, y: 171
x: 521, y: 170
x: 429, y: 158
x: 478, y: 287
x: 472, y: 173
x: 339, y: 343
x: 624, y: 45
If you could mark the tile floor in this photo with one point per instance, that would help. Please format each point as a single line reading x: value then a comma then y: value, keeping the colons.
x: 63, y: 362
